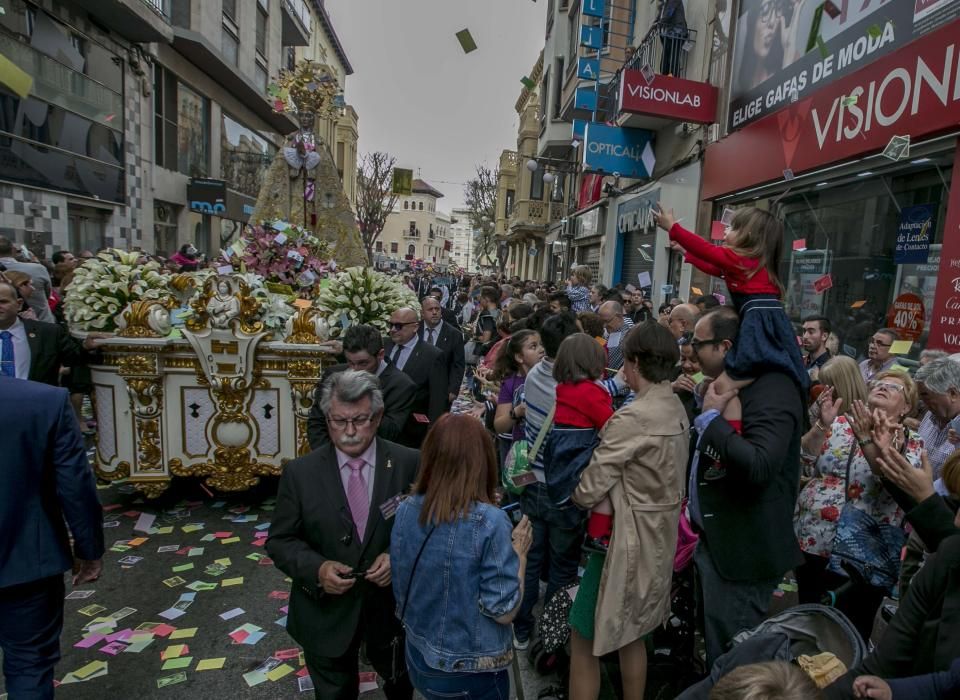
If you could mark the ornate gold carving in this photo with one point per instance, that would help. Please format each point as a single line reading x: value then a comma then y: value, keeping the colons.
x: 304, y: 369
x: 137, y: 317
x: 149, y: 454
x: 121, y: 472
x: 181, y: 363
x: 225, y: 347
x: 152, y: 488
x: 304, y: 327
x: 137, y: 364
x: 302, y: 393
x: 231, y: 469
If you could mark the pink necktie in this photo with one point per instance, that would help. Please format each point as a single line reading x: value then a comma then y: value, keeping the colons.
x: 357, y: 496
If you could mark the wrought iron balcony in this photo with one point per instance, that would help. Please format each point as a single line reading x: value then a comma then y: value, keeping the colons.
x: 665, y: 48
x: 296, y: 23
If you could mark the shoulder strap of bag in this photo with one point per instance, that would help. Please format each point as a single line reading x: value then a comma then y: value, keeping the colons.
x: 542, y: 435
x: 846, y: 479
x: 413, y: 570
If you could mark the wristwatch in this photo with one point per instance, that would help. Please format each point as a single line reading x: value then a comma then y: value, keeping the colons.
x: 866, y: 441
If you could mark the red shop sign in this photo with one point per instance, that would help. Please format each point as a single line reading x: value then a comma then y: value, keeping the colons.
x: 915, y: 91
x: 906, y: 316
x: 666, y: 96
x: 945, y: 316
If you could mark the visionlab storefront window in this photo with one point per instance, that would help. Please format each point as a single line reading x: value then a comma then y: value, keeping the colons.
x: 848, y: 228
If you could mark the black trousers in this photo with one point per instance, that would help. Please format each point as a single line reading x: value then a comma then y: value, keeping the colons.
x: 859, y: 603
x: 337, y: 678
x: 31, y: 619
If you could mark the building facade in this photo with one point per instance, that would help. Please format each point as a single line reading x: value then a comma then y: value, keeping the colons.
x: 463, y: 252
x: 416, y: 232
x: 136, y: 110
x: 872, y: 229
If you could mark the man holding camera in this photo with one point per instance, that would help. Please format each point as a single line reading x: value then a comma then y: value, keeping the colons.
x: 330, y: 534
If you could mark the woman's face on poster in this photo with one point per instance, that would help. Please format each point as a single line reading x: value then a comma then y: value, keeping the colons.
x: 765, y: 27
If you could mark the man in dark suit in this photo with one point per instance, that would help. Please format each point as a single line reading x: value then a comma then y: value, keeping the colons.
x: 435, y: 331
x: 743, y: 488
x: 448, y: 314
x: 424, y: 364
x: 363, y: 349
x: 33, y: 349
x: 331, y: 534
x: 46, y: 487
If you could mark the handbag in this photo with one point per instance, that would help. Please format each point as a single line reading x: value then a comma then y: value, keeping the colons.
x: 864, y: 544
x: 516, y: 467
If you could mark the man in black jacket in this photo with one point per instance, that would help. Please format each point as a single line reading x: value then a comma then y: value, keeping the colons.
x: 363, y: 349
x: 448, y: 339
x: 331, y: 534
x: 743, y: 488
x: 39, y: 349
x: 423, y: 363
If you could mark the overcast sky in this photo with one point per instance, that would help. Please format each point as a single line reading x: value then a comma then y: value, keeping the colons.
x: 420, y: 98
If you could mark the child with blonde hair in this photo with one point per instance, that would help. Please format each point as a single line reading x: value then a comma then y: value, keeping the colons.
x: 771, y: 680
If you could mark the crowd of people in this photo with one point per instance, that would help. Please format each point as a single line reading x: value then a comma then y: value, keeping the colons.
x: 566, y: 470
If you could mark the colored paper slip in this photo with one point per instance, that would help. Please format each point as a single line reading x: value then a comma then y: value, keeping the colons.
x: 230, y: 540
x: 211, y: 664
x: 466, y: 40
x: 177, y: 664
x: 279, y: 672
x: 181, y: 567
x: 901, y: 347
x: 232, y: 581
x: 90, y: 669
x: 174, y: 651
x: 185, y: 633
x: 230, y: 614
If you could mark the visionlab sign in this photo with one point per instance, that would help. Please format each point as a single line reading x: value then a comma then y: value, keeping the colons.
x: 673, y: 98
x: 612, y: 149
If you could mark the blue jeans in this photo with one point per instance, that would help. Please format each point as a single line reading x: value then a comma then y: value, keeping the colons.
x: 558, y: 537
x: 439, y: 685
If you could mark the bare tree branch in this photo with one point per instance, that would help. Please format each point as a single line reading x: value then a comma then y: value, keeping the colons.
x: 375, y: 199
x: 480, y: 196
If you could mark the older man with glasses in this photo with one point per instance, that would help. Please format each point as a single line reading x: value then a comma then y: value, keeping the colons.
x: 879, y: 358
x: 331, y: 534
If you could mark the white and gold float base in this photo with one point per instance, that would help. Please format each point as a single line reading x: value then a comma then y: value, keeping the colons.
x: 221, y: 405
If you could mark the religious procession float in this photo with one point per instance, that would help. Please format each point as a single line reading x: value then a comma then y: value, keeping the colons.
x: 212, y: 373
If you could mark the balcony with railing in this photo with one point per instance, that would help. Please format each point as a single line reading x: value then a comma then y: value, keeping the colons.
x: 297, y: 23
x: 135, y: 20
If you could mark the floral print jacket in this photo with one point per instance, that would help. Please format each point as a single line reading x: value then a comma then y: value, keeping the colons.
x: 822, y: 499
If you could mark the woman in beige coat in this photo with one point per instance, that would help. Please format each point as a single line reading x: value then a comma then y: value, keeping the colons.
x: 640, y: 463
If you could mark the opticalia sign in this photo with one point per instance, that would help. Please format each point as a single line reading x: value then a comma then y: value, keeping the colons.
x: 611, y: 149
x: 666, y: 96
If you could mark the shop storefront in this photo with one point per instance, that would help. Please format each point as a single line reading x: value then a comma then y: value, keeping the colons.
x: 871, y: 241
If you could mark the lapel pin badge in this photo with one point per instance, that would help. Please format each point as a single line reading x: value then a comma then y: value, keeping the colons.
x: 389, y: 463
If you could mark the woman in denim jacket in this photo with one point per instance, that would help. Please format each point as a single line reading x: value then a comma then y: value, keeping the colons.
x: 458, y: 567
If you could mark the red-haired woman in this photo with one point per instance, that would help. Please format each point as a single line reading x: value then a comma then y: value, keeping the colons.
x: 458, y: 565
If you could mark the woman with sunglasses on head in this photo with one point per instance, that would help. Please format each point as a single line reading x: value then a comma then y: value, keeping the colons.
x: 844, y: 449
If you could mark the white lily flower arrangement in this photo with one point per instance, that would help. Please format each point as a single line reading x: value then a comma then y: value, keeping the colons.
x: 102, y: 288
x: 362, y: 295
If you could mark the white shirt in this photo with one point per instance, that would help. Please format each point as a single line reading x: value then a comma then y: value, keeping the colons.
x: 21, y: 349
x: 367, y: 471
x: 405, y: 351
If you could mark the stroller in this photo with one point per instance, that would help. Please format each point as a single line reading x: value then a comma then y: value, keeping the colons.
x: 804, y: 629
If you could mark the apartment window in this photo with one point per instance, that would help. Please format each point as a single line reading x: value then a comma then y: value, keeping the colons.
x: 230, y: 46
x: 508, y: 205
x: 379, y: 246
x: 558, y: 89
x: 261, y: 31
x: 550, y: 14
x: 573, y: 27
x: 260, y: 75
x: 290, y: 57
x: 413, y: 228
x: 412, y: 250
x: 406, y: 204
x: 394, y: 247
x: 181, y: 125
x: 536, y: 185
x: 421, y: 206
x: 193, y: 129
x: 556, y: 193
x: 230, y: 9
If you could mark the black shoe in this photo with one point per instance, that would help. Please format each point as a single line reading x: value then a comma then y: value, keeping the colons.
x: 597, y: 544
